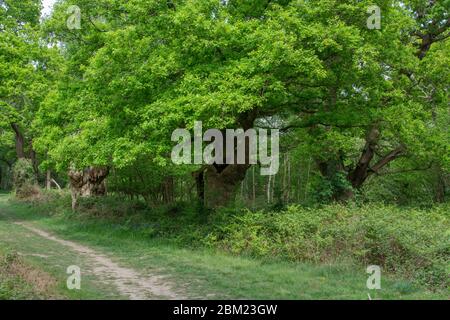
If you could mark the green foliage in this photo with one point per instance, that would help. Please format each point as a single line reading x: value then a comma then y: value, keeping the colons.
x: 405, y: 241
x: 24, y: 178
x: 138, y: 70
x: 327, y: 187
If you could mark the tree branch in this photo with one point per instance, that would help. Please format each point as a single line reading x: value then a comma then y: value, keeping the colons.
x: 406, y: 170
x: 394, y: 154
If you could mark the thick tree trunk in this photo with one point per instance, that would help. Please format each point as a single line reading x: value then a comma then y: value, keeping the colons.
x: 360, y: 173
x: 199, y: 177
x: 87, y: 183
x: 19, y: 140
x: 363, y: 168
x: 217, y: 185
x: 330, y: 171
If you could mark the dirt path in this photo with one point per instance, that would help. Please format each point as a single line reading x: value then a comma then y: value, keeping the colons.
x: 128, y: 282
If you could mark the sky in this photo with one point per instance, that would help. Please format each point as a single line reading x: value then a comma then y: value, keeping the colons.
x: 47, y: 6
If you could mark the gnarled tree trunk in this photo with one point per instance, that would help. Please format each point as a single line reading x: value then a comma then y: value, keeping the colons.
x: 365, y: 167
x: 217, y: 184
x: 88, y: 182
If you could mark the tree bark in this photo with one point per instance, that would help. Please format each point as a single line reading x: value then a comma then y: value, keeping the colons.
x: 216, y: 186
x: 88, y: 182
x: 360, y: 173
x: 253, y: 187
x: 48, y: 180
x: 199, y: 177
x: 269, y: 181
x: 363, y: 168
x: 218, y: 183
x: 168, y: 189
x: 19, y: 140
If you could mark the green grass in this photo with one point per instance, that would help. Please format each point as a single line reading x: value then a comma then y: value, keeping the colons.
x: 201, y: 273
x: 12, y: 286
x: 52, y: 257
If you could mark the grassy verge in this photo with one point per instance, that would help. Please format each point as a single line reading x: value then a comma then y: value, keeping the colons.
x: 29, y: 260
x: 21, y: 281
x: 208, y: 272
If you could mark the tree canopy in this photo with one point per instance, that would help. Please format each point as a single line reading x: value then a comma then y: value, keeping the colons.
x: 354, y: 101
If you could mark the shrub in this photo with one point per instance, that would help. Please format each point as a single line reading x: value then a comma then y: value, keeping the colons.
x: 413, y: 243
x: 25, y: 183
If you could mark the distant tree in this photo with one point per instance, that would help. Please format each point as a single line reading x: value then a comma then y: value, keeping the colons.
x: 25, y: 73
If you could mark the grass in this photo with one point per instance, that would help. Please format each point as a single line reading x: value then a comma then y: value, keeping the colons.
x: 45, y: 255
x: 203, y: 273
x: 12, y: 285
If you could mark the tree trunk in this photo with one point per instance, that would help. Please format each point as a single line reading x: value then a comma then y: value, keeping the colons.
x: 360, y: 173
x: 273, y: 187
x: 330, y: 170
x: 87, y: 183
x: 56, y: 184
x: 284, y: 185
x: 307, y: 179
x: 48, y: 180
x: 253, y: 187
x: 288, y: 199
x: 363, y: 168
x: 19, y: 140
x: 199, y: 177
x: 439, y: 192
x: 217, y: 185
x: 269, y: 181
